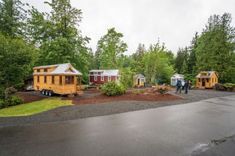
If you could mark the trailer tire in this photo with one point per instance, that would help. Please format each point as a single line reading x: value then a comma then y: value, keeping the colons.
x: 50, y: 93
x: 43, y: 92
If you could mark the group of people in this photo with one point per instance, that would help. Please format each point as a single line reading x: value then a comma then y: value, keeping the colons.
x: 183, y: 85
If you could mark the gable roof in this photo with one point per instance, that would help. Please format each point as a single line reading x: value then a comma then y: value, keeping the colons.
x: 60, y: 69
x: 110, y: 72
x: 139, y: 76
x: 176, y: 76
x: 208, y: 74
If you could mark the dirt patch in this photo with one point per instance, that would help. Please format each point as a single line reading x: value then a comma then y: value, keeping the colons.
x: 30, y: 96
x: 126, y: 97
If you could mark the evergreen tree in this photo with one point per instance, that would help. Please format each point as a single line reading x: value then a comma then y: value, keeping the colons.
x: 215, y: 49
x: 12, y: 17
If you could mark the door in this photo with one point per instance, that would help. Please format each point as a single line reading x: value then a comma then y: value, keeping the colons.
x: 138, y: 82
x: 203, y: 82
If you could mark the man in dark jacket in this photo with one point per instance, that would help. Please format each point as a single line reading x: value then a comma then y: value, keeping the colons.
x: 178, y: 86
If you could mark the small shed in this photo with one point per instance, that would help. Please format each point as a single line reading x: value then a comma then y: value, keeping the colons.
x: 206, y: 79
x: 139, y: 80
x: 176, y: 77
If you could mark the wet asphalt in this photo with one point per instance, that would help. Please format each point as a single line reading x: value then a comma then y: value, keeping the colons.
x: 165, y: 131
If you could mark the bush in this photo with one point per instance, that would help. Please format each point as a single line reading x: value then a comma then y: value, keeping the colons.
x: 112, y: 89
x: 2, y: 103
x: 14, y: 100
x: 229, y: 86
x: 220, y: 87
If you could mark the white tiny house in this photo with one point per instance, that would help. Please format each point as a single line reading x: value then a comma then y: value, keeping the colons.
x: 176, y: 77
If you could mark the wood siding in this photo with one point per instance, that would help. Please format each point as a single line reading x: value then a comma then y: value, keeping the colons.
x: 207, y: 82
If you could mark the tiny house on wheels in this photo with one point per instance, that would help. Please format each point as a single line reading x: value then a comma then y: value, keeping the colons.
x: 97, y: 77
x: 139, y: 80
x: 61, y: 79
x: 206, y: 79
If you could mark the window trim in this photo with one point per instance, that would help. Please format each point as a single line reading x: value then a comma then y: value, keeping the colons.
x: 102, y: 78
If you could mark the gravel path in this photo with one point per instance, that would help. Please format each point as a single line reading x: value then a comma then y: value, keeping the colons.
x: 91, y: 110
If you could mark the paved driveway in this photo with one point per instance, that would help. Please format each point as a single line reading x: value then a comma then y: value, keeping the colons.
x: 171, y: 130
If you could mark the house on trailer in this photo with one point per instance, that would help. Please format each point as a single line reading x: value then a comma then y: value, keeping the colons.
x: 61, y: 79
x: 175, y: 78
x: 206, y: 79
x: 139, y: 80
x: 97, y: 77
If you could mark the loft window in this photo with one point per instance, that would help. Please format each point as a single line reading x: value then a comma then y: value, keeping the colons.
x: 38, y: 70
x: 45, y: 79
x: 45, y: 70
x: 69, y: 79
x: 52, y: 79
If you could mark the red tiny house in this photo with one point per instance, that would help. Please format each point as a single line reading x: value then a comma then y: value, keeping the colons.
x: 97, y: 77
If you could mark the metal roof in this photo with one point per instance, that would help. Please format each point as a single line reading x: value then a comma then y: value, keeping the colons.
x: 110, y: 72
x: 64, y: 69
x: 209, y: 74
x: 139, y: 76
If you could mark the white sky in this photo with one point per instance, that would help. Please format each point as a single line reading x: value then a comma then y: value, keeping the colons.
x: 174, y: 22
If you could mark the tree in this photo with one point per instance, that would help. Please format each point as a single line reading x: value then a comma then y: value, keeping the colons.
x: 109, y: 49
x: 192, y: 55
x: 157, y: 65
x: 17, y: 59
x: 181, y: 61
x: 216, y: 47
x: 57, y: 35
x: 12, y: 18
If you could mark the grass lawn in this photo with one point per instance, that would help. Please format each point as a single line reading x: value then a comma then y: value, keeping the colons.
x: 34, y: 107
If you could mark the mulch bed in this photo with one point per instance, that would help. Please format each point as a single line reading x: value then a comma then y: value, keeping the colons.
x: 126, y: 97
x: 29, y: 97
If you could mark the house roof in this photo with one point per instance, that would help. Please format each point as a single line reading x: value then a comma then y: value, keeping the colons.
x: 64, y: 69
x: 139, y: 76
x: 208, y: 74
x: 177, y: 76
x: 110, y: 72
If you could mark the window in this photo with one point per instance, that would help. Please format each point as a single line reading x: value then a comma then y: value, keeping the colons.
x: 60, y: 80
x: 69, y: 79
x: 38, y: 70
x: 199, y: 80
x: 45, y: 70
x: 102, y: 78
x: 53, y: 79
x: 207, y: 80
x: 95, y: 78
x: 45, y: 79
x: 38, y: 79
x: 109, y: 78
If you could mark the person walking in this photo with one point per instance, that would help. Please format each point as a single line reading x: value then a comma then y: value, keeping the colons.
x: 178, y: 86
x: 186, y: 87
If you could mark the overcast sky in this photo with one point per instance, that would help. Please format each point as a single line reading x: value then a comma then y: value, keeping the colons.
x: 174, y: 22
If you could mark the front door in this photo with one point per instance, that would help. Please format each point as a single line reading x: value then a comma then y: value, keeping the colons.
x: 138, y: 82
x: 203, y: 82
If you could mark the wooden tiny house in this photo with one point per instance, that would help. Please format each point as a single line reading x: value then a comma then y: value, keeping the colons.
x: 206, y: 79
x: 139, y: 80
x: 61, y: 79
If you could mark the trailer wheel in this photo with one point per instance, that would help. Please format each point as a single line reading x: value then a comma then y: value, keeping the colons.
x: 49, y: 93
x: 43, y: 92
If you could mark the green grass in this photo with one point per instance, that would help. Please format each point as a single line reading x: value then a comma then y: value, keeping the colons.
x: 34, y: 107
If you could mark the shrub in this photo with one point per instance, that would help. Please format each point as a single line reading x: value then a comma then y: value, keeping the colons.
x: 13, y: 101
x: 220, y: 87
x: 9, y: 91
x: 229, y: 86
x: 112, y: 89
x: 2, y: 103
